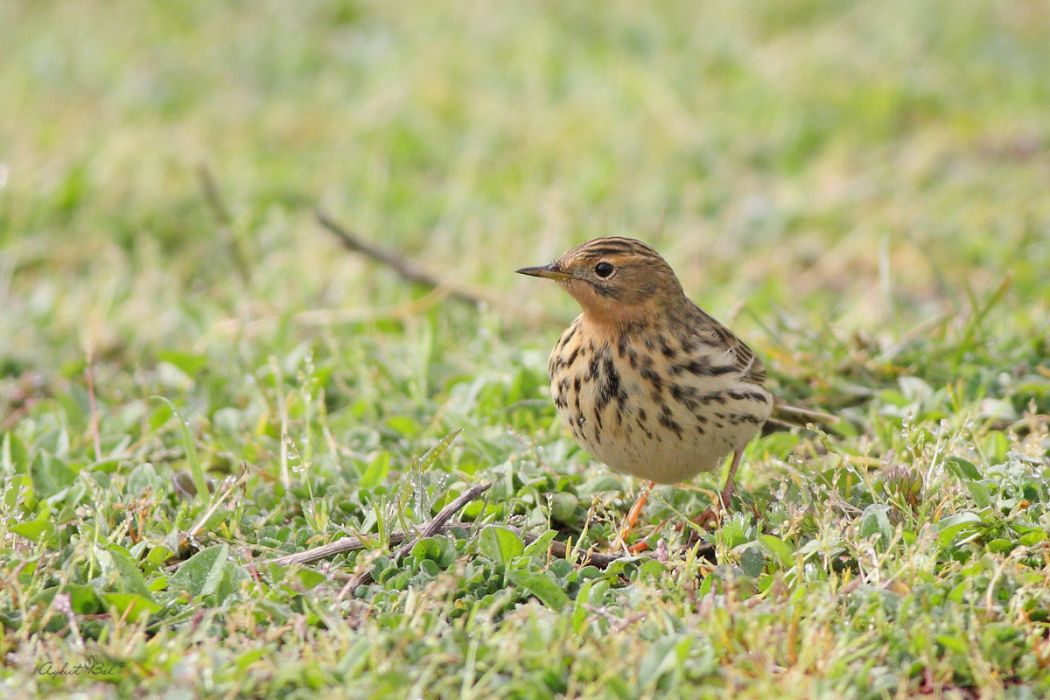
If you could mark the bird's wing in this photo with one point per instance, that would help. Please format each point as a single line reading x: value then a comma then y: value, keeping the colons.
x: 714, y: 333
x: 751, y: 369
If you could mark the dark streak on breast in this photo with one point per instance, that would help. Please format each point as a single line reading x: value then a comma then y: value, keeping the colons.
x: 668, y: 422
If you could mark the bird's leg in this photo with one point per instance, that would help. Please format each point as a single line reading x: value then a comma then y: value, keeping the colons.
x: 727, y: 490
x: 636, y: 511
x: 715, y: 512
x: 643, y: 545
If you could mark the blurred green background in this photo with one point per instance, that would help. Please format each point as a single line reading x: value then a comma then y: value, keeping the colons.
x: 851, y: 160
x: 860, y: 189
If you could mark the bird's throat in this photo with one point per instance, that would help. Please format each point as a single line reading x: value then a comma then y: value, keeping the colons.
x: 610, y: 322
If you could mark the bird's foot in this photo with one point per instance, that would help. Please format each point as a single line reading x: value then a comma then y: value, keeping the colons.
x: 713, y: 516
x: 710, y: 518
x: 643, y: 545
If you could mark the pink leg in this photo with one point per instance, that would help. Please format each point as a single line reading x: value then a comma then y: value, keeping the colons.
x: 727, y: 492
x: 636, y: 510
x: 715, y: 512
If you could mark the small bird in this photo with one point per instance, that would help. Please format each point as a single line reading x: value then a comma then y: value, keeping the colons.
x: 648, y: 382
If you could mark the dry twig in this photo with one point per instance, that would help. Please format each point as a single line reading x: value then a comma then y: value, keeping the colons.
x: 418, y: 275
x: 349, y: 544
x: 431, y: 528
x: 213, y: 196
x: 356, y: 544
x: 441, y: 523
x: 406, y: 268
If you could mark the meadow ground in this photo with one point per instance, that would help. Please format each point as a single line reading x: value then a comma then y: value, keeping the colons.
x: 195, y: 380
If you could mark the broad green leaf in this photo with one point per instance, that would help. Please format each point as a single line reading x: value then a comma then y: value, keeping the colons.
x: 952, y: 643
x: 996, y: 446
x: 950, y: 527
x: 752, y: 561
x: 189, y: 363
x: 581, y: 605
x: 426, y: 548
x: 600, y: 484
x: 159, y: 416
x: 158, y: 555
x: 128, y: 572
x: 562, y: 568
x: 875, y: 521
x: 131, y: 604
x: 963, y: 469
x: 250, y: 657
x: 646, y: 568
x: 143, y: 477
x: 538, y: 547
x: 14, y: 457
x: 215, y: 574
x: 377, y: 470
x: 783, y: 553
x: 72, y: 498
x: 980, y: 494
x: 732, y: 534
x: 563, y: 507
x: 500, y: 544
x: 1032, y: 537
x: 109, y: 465
x: 310, y: 578
x: 665, y: 655
x: 50, y: 475
x: 540, y: 585
x: 35, y: 529
x: 20, y: 493
x: 780, y: 444
x: 403, y: 425
x: 202, y: 573
x: 54, y: 442
x: 83, y: 599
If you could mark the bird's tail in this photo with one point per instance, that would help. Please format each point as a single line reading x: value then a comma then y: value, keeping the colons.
x: 785, y: 417
x: 798, y: 414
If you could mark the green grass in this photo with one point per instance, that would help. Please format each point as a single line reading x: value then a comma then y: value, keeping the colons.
x: 858, y: 188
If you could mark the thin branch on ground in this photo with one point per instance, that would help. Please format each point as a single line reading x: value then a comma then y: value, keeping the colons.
x: 352, y: 544
x: 213, y: 196
x: 590, y: 557
x: 440, y: 524
x: 415, y: 273
x: 356, y: 544
x: 221, y: 212
x: 782, y: 410
x: 430, y: 529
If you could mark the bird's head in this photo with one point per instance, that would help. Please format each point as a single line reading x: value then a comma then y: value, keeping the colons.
x: 616, y: 280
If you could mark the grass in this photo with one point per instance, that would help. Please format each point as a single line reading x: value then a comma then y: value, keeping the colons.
x: 858, y: 188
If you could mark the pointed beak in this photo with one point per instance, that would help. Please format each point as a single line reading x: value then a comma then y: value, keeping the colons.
x: 551, y: 272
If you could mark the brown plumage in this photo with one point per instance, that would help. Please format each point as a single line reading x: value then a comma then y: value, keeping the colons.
x: 644, y: 379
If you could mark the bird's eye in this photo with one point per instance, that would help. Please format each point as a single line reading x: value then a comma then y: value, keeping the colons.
x: 603, y: 269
